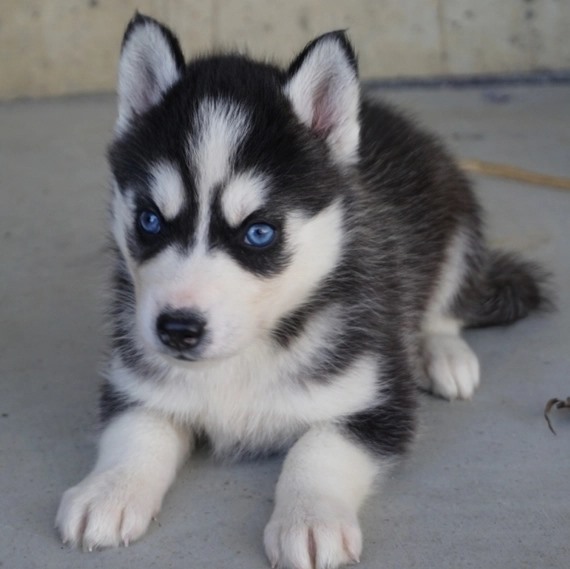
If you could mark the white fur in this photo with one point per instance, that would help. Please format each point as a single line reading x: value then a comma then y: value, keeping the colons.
x: 219, y: 127
x: 239, y: 306
x: 139, y: 455
x: 245, y: 402
x: 167, y: 189
x: 210, y: 282
x: 147, y: 69
x: 123, y: 216
x: 243, y: 195
x: 314, y: 524
x: 450, y: 279
x: 451, y: 366
x: 315, y: 244
x: 325, y: 94
x: 250, y: 400
x: 452, y: 369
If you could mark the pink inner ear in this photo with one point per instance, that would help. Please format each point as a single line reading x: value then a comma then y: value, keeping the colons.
x: 323, y: 111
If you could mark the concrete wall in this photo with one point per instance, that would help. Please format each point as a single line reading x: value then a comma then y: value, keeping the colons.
x: 54, y: 47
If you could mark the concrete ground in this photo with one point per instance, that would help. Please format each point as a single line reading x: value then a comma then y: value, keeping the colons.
x: 487, y: 485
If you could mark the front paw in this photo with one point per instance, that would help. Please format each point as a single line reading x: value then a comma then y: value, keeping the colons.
x: 317, y: 534
x: 107, y: 509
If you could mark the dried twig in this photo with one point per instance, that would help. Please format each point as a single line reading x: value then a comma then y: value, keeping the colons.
x: 514, y: 173
x: 559, y: 404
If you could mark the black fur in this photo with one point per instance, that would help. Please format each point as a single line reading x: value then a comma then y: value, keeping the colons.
x: 508, y: 289
x: 124, y: 342
x: 112, y: 402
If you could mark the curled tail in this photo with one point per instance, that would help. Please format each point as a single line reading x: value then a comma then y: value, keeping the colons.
x: 507, y: 289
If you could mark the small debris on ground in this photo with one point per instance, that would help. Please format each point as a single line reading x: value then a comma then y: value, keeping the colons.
x: 558, y: 404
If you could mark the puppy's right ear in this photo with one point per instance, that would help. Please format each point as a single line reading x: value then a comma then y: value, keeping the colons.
x: 151, y: 62
x: 325, y: 94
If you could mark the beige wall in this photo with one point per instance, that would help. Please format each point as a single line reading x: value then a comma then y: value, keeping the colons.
x: 53, y: 47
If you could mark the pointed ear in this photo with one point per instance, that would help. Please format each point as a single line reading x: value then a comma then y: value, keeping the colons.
x: 324, y: 90
x: 151, y: 61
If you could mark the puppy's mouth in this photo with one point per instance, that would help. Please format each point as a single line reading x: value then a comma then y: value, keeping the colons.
x: 185, y: 358
x: 180, y: 357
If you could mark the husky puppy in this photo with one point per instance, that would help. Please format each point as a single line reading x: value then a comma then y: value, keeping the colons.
x: 292, y: 261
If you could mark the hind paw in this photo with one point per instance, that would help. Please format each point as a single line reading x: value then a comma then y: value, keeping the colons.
x: 451, y: 366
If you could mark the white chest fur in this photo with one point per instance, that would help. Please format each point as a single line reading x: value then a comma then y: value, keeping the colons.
x: 259, y: 400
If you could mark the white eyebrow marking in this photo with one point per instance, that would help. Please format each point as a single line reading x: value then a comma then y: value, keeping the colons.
x: 243, y: 195
x: 167, y: 189
x: 220, y: 126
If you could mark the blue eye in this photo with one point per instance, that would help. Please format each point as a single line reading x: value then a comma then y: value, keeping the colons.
x: 259, y: 235
x: 149, y: 222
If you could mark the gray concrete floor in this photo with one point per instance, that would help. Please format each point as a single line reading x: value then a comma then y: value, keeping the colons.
x: 487, y: 485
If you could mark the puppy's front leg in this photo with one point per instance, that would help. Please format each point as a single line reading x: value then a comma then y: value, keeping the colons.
x: 139, y: 455
x: 315, y: 522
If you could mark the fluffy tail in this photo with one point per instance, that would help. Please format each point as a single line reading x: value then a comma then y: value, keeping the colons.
x: 509, y: 289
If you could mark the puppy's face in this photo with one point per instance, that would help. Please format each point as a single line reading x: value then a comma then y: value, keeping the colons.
x: 228, y: 182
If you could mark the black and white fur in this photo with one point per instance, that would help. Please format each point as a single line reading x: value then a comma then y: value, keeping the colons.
x: 315, y: 344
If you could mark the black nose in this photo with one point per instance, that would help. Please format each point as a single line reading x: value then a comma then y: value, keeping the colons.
x: 180, y: 330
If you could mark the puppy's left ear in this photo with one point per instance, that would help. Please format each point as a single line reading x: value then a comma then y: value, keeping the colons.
x: 324, y: 90
x: 151, y: 62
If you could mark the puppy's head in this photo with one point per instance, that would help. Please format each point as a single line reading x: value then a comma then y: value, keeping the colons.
x: 229, y: 178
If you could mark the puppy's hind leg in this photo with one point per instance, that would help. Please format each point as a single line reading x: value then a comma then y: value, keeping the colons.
x: 450, y: 367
